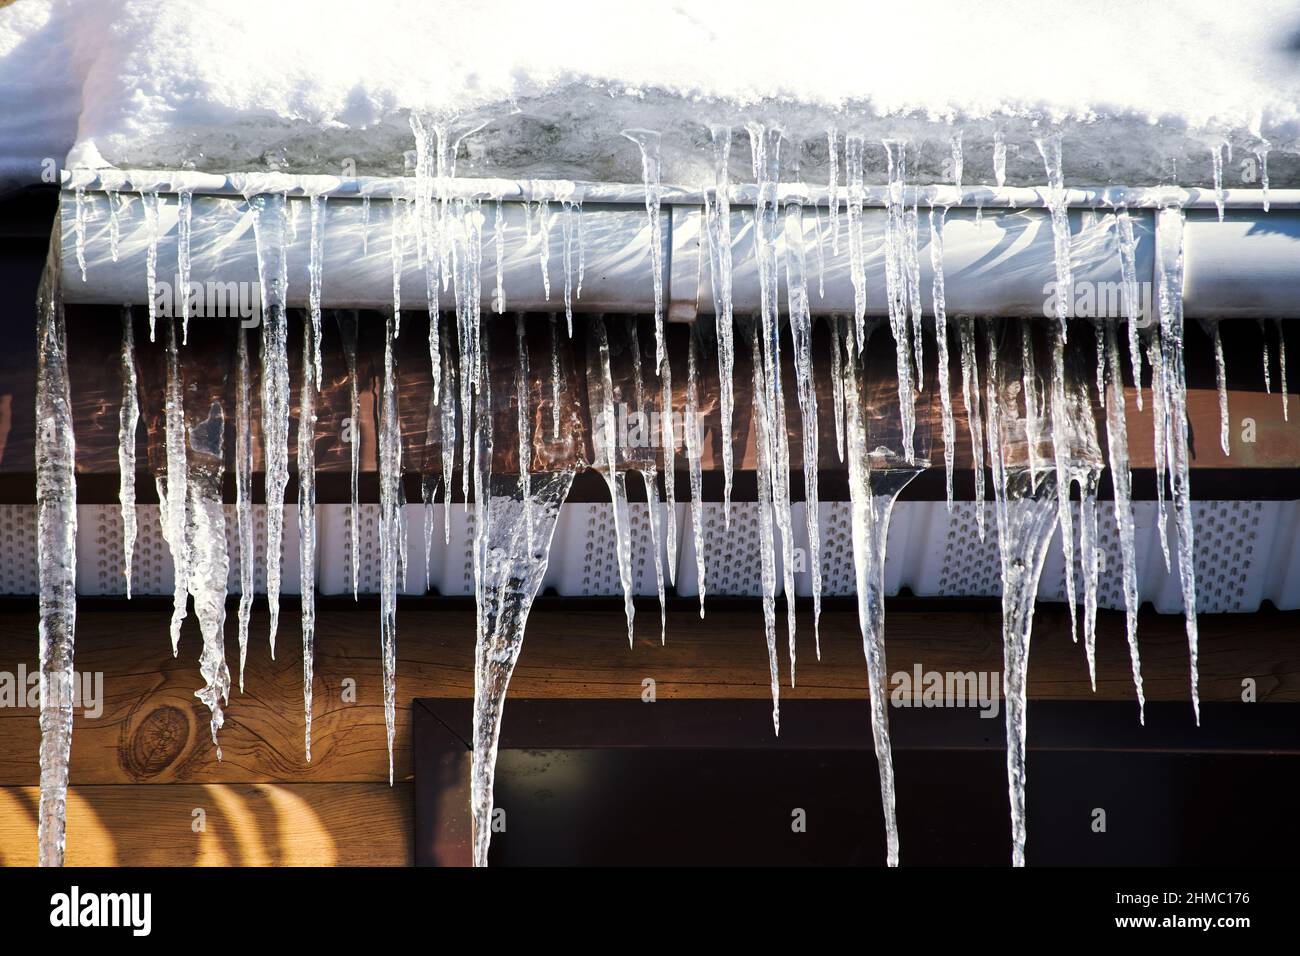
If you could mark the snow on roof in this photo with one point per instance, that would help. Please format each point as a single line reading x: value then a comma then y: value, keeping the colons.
x: 1143, y: 88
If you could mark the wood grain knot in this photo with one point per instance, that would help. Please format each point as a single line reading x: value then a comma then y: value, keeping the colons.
x: 159, y: 739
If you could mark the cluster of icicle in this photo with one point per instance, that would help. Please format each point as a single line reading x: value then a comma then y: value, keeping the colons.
x: 1039, y: 436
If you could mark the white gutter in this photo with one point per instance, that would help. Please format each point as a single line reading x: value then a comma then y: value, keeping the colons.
x: 998, y: 248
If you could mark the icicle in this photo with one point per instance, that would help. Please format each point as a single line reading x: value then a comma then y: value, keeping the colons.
x: 821, y: 252
x: 56, y: 551
x: 1220, y: 194
x: 149, y: 201
x: 873, y: 494
x: 941, y: 339
x: 582, y: 256
x: 365, y: 225
x: 970, y: 396
x: 693, y: 429
x: 651, y: 481
x: 801, y: 335
x: 522, y: 410
x: 390, y: 516
x: 1064, y: 438
x: 555, y: 378
x: 1169, y: 287
x: 516, y: 555
x: 1132, y: 304
x: 607, y: 455
x: 244, y: 491
x: 173, y: 495
x: 1221, y: 381
x: 499, y: 246
x: 767, y: 543
x: 648, y: 142
x: 270, y: 227
x: 1026, y: 511
x: 1099, y: 335
x: 912, y: 259
x: 307, y: 510
x: 837, y: 381
x: 566, y: 229
x: 315, y: 268
x: 669, y: 441
x: 979, y: 213
x: 128, y: 419
x: 396, y: 242
x: 81, y: 211
x: 999, y: 159
x: 765, y: 153
x: 448, y: 406
x: 1161, y: 437
x: 544, y: 248
x: 208, y: 560
x: 954, y: 144
x: 718, y: 231
x: 899, y: 289
x: 347, y: 323
x: 853, y: 146
x: 1281, y: 368
x: 833, y: 202
x: 115, y: 201
x: 1268, y: 381
x: 1049, y: 146
x: 184, y: 222
x: 1122, y: 479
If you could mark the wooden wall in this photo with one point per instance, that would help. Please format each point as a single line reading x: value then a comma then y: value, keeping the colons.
x: 146, y: 764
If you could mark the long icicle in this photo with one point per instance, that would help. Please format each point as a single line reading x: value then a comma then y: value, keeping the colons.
x: 390, y: 516
x: 56, y: 550
x: 941, y: 340
x: 648, y: 142
x: 307, y: 515
x: 767, y: 543
x: 173, y: 495
x: 347, y: 323
x: 607, y: 455
x: 693, y: 433
x: 970, y: 396
x: 718, y: 233
x: 270, y: 225
x: 244, y: 492
x: 128, y: 420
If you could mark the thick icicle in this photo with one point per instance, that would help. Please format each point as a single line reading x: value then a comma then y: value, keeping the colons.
x: 209, y: 562
x: 1049, y: 146
x: 718, y: 232
x: 693, y: 430
x: 1132, y: 303
x: 128, y: 419
x: 315, y: 269
x: 648, y: 142
x: 515, y: 552
x: 970, y: 396
x: 854, y: 196
x: 607, y: 456
x: 184, y: 223
x: 873, y: 493
x: 390, y: 534
x: 1026, y: 511
x: 648, y: 473
x: 899, y: 290
x: 149, y: 202
x: 767, y: 543
x: 1169, y: 289
x: 173, y: 494
x: 801, y: 336
x: 1122, y: 479
x: 1064, y: 441
x: 765, y: 153
x: 270, y: 227
x: 244, y: 491
x: 307, y: 513
x: 941, y: 339
x: 571, y: 211
x: 56, y: 551
x: 544, y: 246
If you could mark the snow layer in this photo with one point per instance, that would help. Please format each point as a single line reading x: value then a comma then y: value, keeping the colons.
x: 234, y: 84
